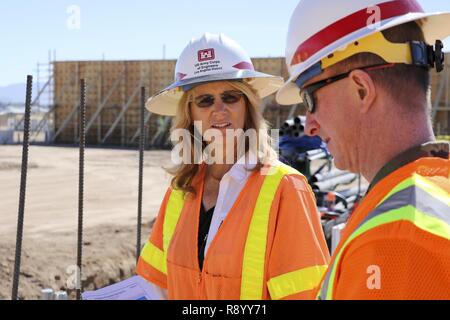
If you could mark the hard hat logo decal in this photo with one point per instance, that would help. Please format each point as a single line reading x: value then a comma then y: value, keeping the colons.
x: 205, y: 55
x: 207, y: 62
x: 180, y: 76
x: 244, y: 65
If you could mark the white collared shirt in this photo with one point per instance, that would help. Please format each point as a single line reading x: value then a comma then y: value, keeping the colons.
x: 230, y: 187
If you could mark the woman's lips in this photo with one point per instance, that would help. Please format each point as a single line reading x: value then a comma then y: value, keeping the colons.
x: 221, y: 125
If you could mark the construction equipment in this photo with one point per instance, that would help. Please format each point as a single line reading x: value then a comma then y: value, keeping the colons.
x: 298, y: 149
x: 332, y: 183
x: 293, y: 127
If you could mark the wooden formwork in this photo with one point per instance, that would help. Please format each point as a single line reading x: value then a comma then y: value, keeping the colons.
x: 111, y: 85
x: 113, y: 97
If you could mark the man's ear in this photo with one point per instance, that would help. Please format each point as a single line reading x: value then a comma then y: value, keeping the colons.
x: 365, y: 88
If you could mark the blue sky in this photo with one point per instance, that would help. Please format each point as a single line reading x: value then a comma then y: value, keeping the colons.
x: 135, y: 29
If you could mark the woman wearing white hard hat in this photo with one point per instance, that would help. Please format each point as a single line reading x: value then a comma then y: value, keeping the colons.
x: 362, y: 71
x: 243, y: 228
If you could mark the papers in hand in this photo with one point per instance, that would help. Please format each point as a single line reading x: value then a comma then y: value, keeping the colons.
x: 134, y: 288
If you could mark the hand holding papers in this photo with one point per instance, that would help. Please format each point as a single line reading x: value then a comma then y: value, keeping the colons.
x: 134, y: 288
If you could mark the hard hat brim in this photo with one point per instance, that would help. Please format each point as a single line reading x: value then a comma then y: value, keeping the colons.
x: 435, y: 26
x: 166, y: 101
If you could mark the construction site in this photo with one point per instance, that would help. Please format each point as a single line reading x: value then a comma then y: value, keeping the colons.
x: 297, y: 170
x: 112, y: 102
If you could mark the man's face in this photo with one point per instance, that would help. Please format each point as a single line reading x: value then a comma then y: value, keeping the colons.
x: 336, y: 120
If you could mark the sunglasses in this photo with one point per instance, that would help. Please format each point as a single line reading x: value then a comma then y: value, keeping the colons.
x: 227, y: 97
x: 308, y: 93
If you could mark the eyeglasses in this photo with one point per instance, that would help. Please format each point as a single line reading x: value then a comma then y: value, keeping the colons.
x: 308, y: 93
x: 227, y: 97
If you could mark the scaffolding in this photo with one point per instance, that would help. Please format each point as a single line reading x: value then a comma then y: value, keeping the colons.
x: 45, y: 76
x: 41, y: 112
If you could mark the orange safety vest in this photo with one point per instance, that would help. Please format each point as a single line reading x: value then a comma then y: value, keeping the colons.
x: 270, y: 246
x: 397, y: 243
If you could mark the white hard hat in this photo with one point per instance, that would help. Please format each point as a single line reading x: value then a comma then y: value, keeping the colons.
x: 320, y: 28
x: 211, y: 58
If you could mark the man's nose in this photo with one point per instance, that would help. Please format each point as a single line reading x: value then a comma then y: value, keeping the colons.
x: 312, y: 127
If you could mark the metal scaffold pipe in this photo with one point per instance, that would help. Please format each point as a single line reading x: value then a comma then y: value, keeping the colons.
x: 327, y: 175
x: 294, y: 127
x: 350, y: 192
x: 23, y: 186
x: 333, y: 182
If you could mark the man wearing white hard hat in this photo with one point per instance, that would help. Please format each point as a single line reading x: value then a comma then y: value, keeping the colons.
x: 361, y: 68
x: 241, y: 229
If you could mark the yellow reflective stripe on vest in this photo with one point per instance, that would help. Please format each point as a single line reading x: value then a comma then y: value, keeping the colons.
x: 252, y: 282
x: 172, y: 214
x: 153, y: 256
x: 428, y: 215
x: 296, y: 281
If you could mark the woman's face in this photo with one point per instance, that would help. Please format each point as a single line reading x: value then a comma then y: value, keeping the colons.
x: 217, y: 105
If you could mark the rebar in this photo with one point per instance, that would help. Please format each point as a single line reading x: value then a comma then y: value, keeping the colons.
x: 82, y: 139
x: 23, y: 186
x: 141, y: 173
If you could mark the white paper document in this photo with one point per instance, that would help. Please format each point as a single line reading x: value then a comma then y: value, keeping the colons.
x: 134, y: 288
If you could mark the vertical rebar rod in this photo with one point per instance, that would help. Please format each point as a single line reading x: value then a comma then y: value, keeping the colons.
x: 23, y: 186
x: 141, y: 173
x: 82, y: 136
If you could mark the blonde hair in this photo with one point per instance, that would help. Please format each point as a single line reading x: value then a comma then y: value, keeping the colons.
x: 184, y: 173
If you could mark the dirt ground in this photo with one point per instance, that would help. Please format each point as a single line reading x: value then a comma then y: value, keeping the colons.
x: 51, y: 215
